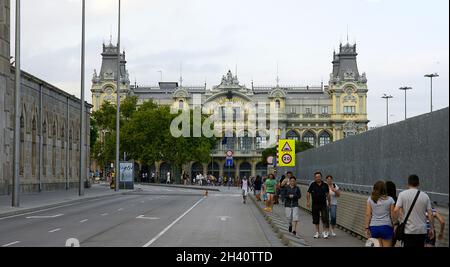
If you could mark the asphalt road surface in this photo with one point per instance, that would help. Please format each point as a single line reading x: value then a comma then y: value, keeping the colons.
x: 155, y: 217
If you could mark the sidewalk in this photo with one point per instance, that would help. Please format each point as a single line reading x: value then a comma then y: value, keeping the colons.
x: 194, y: 187
x: 39, y: 201
x: 307, y: 230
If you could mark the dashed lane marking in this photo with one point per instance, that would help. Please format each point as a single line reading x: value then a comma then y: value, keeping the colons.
x: 55, y: 230
x: 11, y: 244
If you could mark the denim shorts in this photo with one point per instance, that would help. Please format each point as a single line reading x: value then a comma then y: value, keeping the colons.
x: 385, y: 232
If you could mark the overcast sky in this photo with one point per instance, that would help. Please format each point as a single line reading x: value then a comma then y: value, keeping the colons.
x: 398, y: 42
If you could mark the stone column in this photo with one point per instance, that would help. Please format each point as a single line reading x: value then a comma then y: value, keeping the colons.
x: 254, y: 163
x: 221, y: 170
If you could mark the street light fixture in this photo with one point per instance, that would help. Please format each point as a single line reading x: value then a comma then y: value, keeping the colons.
x: 83, y: 107
x: 17, y: 100
x: 431, y: 76
x: 117, y: 176
x: 405, y: 88
x: 387, y: 97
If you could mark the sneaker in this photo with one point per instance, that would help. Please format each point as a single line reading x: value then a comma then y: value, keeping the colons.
x: 326, y: 235
x: 290, y: 228
x: 333, y: 234
x: 317, y: 235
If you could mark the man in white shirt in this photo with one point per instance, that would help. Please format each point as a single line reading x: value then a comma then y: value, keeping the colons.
x: 416, y: 227
x: 168, y: 178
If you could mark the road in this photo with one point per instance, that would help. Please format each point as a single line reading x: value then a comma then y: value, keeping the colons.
x: 154, y: 217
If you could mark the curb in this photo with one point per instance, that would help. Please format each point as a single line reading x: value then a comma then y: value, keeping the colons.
x: 285, y: 239
x: 184, y: 187
x: 60, y: 204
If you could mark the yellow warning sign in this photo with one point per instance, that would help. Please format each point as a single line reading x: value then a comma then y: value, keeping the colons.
x: 286, y: 153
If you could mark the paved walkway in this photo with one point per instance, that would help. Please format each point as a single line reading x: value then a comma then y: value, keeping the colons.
x: 31, y: 202
x: 307, y: 230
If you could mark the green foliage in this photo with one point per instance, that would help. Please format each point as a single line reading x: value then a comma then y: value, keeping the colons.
x: 146, y: 137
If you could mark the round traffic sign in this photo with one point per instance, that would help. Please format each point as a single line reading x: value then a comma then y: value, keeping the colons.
x: 287, y: 159
x: 270, y: 160
x: 230, y: 154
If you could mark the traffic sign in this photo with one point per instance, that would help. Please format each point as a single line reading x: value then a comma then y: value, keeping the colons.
x: 286, y: 153
x: 230, y: 154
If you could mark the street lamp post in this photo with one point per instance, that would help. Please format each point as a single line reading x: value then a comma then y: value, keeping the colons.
x: 431, y: 76
x: 405, y: 88
x: 17, y: 122
x: 117, y: 176
x: 387, y: 97
x: 82, y: 111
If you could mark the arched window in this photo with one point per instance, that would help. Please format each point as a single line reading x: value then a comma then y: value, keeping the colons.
x: 310, y: 137
x: 181, y: 104
x: 277, y: 103
x: 54, y: 136
x: 70, y: 152
x: 292, y: 135
x: 44, y: 148
x: 63, y: 150
x: 33, y: 146
x: 245, y: 143
x: 261, y: 141
x: 22, y: 144
x: 324, y: 139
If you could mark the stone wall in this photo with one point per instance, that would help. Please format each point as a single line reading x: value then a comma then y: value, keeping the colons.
x: 418, y: 145
x: 351, y: 214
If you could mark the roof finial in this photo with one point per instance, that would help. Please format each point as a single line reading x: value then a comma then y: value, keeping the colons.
x: 347, y: 35
x: 278, y: 75
x: 181, y: 74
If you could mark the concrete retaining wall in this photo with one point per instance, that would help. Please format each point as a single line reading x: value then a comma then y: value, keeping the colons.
x: 416, y: 146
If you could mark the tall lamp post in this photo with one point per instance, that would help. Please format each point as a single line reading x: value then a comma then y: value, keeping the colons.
x: 405, y: 88
x: 431, y: 76
x: 83, y: 107
x: 117, y: 176
x: 17, y: 122
x: 387, y: 97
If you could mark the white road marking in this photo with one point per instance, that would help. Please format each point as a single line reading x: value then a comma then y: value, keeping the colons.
x: 172, y: 224
x: 83, y: 221
x: 147, y: 218
x: 104, y: 214
x: 120, y: 209
x: 54, y: 208
x: 224, y: 218
x: 55, y: 230
x: 46, y: 217
x: 11, y: 244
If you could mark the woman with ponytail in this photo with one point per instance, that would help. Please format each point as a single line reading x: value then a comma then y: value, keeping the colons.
x: 379, y: 215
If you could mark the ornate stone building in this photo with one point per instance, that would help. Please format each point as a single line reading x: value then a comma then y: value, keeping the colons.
x: 315, y: 114
x: 49, y: 122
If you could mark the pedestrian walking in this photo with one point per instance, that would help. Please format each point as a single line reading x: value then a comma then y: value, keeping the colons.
x: 392, y: 190
x: 264, y: 193
x: 319, y: 192
x: 257, y: 186
x: 380, y: 215
x: 271, y: 184
x: 335, y: 193
x: 168, y: 178
x: 293, y: 195
x: 245, y: 188
x: 431, y: 243
x: 413, y: 206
